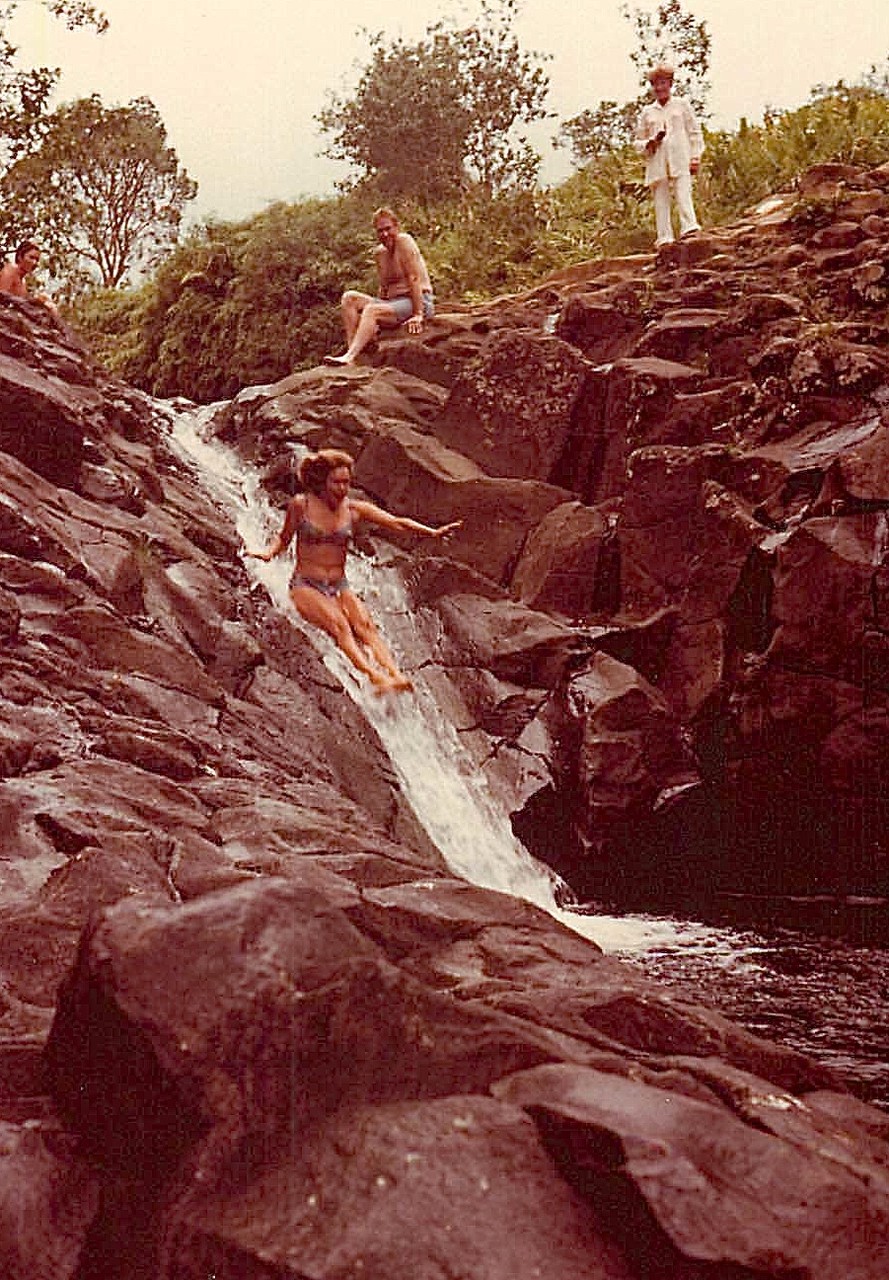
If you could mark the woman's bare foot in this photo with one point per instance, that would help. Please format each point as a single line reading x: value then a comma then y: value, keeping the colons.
x: 336, y: 361
x: 391, y: 684
x: 382, y: 682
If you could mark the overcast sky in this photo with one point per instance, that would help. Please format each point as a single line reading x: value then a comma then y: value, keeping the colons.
x: 238, y: 82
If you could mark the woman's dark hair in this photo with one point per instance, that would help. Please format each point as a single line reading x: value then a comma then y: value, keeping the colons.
x: 25, y: 247
x: 314, y: 470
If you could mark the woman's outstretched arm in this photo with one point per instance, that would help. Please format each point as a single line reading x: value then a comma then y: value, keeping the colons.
x: 282, y: 540
x: 386, y: 520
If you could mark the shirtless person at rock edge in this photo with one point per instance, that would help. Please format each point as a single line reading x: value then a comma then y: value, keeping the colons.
x: 405, y: 295
x: 13, y: 274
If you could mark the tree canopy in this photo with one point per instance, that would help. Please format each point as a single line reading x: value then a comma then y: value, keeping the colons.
x: 103, y: 186
x: 24, y: 94
x: 428, y: 118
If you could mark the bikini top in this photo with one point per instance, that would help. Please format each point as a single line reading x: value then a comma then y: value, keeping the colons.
x: 308, y: 532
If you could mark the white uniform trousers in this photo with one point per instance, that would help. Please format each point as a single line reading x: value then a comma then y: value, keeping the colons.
x: 680, y: 188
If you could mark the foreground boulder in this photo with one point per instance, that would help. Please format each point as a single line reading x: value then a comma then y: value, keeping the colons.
x: 365, y: 1195
x: 668, y: 1152
x: 280, y: 1078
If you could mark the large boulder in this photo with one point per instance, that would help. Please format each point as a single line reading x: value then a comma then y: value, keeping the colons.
x: 621, y: 751
x: 683, y: 335
x: 513, y: 642
x: 764, y: 1207
x: 569, y: 564
x: 826, y: 583
x: 49, y: 1199
x: 252, y: 1065
x: 622, y: 407
x: 448, y: 1186
x: 414, y: 474
x: 602, y: 328
x: 329, y: 1016
x: 48, y: 392
x: 511, y: 409
x: 322, y: 408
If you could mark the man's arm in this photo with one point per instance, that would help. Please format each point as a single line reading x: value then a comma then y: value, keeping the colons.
x: 382, y: 258
x: 695, y: 136
x: 646, y: 139
x: 413, y: 270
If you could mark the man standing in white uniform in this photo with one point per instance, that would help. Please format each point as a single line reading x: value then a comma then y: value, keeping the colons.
x: 670, y: 138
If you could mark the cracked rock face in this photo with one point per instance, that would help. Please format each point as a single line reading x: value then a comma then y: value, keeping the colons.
x: 690, y: 477
x: 250, y: 1024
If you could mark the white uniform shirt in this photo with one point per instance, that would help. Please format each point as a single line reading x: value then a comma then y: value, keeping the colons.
x: 684, y: 141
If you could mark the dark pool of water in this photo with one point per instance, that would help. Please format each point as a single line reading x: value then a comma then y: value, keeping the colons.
x: 825, y: 996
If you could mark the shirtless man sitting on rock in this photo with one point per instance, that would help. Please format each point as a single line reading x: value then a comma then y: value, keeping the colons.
x: 405, y: 295
x: 12, y: 275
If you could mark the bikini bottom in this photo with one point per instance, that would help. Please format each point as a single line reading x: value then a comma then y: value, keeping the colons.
x: 329, y: 589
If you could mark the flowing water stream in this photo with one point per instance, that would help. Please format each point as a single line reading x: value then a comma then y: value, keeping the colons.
x: 826, y: 997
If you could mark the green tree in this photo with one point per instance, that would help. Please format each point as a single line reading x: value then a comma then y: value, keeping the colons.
x: 406, y: 125
x: 667, y: 34
x: 24, y: 94
x: 598, y: 130
x: 429, y: 118
x: 105, y: 189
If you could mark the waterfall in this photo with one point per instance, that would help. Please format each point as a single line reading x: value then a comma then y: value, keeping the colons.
x: 445, y: 788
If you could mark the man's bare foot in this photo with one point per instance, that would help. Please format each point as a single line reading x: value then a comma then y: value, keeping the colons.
x: 336, y: 361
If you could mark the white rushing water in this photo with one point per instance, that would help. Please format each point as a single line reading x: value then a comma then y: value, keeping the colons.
x: 444, y: 787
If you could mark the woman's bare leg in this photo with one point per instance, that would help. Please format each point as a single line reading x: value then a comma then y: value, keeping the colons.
x: 363, y: 626
x: 328, y: 614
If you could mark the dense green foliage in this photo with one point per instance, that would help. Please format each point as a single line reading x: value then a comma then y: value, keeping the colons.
x: 235, y: 303
x: 247, y: 303
x: 846, y: 124
x: 24, y: 93
x: 431, y: 119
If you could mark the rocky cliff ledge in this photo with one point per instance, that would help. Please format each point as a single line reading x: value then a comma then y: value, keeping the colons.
x: 250, y: 1026
x: 674, y: 477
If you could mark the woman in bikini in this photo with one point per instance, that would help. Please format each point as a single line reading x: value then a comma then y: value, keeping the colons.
x: 324, y: 520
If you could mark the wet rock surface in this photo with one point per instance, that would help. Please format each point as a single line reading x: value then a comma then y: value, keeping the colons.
x: 250, y: 1024
x: 692, y: 476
